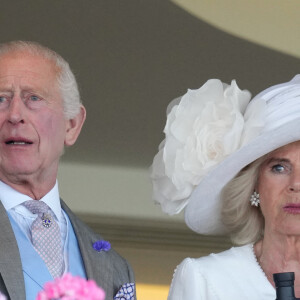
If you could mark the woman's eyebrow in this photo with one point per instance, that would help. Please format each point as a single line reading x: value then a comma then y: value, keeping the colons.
x: 277, y: 160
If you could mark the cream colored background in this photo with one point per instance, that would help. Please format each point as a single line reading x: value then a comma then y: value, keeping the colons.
x: 271, y: 23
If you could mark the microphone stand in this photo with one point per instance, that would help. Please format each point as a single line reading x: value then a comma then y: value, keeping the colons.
x: 284, y: 283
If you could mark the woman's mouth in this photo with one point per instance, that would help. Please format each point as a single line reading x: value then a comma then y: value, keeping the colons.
x: 292, y: 208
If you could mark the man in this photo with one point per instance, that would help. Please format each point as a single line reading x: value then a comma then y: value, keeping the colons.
x: 40, y: 113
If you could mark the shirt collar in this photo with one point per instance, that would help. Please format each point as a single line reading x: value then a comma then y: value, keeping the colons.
x: 11, y: 198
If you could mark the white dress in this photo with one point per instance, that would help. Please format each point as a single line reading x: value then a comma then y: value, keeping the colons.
x: 230, y: 275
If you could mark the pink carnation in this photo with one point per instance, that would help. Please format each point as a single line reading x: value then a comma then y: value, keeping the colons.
x: 2, y: 297
x: 70, y: 287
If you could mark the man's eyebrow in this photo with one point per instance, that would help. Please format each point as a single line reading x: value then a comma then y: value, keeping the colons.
x: 6, y: 86
x: 25, y: 88
x: 6, y: 90
x: 40, y: 91
x: 30, y: 89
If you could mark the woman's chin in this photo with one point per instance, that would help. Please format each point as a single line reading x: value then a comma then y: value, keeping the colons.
x: 291, y: 228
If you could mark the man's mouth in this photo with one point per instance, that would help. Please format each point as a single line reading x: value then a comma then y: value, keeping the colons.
x: 18, y: 142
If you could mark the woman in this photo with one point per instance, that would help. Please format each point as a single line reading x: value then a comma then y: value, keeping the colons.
x: 234, y: 165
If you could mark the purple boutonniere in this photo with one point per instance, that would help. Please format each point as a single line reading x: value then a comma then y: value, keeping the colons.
x: 101, y: 245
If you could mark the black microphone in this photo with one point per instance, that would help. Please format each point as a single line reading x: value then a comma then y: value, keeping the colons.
x: 284, y: 283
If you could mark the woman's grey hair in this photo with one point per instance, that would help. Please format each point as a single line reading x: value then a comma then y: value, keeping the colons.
x: 65, y: 77
x: 244, y: 222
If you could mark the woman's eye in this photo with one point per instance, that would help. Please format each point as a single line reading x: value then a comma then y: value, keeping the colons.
x: 278, y: 168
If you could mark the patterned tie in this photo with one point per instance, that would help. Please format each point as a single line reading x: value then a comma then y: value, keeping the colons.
x: 45, y: 235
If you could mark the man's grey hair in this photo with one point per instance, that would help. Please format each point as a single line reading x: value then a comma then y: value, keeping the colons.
x: 244, y: 222
x: 65, y: 77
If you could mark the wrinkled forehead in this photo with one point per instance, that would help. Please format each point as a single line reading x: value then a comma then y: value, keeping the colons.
x: 24, y: 63
x: 291, y: 147
x: 24, y: 70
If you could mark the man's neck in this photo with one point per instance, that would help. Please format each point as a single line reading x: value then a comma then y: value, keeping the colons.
x: 34, y: 189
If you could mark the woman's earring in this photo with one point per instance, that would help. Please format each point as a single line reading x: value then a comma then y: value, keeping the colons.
x: 254, y: 199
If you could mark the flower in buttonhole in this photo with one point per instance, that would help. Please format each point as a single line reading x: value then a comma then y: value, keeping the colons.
x: 101, y: 245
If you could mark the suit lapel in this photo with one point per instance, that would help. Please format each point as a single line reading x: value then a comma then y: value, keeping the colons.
x: 10, y: 261
x: 98, y: 265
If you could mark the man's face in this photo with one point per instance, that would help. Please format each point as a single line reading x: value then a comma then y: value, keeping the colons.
x: 32, y: 124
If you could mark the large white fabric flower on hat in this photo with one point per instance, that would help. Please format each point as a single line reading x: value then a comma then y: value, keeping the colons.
x: 206, y: 126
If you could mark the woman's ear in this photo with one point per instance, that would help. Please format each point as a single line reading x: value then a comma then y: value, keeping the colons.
x: 73, y: 127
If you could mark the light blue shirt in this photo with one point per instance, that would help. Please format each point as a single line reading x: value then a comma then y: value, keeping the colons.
x: 12, y: 201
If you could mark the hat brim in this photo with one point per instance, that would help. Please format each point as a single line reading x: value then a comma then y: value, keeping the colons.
x: 203, y: 212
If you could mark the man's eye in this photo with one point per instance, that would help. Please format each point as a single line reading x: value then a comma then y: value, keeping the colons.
x: 278, y: 168
x: 3, y: 99
x: 34, y: 98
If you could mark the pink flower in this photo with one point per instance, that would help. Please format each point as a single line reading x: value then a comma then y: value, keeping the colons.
x: 70, y: 287
x: 2, y: 297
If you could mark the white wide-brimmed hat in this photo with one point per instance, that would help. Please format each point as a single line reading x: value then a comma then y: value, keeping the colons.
x: 212, y: 134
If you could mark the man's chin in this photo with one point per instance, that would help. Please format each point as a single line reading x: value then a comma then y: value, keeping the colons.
x: 18, y: 171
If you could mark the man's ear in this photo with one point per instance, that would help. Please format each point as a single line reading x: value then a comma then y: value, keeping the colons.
x: 73, y: 127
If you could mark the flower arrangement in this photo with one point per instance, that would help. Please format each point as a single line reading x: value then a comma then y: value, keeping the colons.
x: 70, y: 287
x: 204, y: 127
x: 2, y: 297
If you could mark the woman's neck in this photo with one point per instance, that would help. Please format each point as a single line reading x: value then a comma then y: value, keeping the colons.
x: 278, y: 256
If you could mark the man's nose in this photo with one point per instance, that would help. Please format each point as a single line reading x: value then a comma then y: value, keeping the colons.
x: 16, y: 110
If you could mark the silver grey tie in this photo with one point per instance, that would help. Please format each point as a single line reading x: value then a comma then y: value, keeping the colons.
x: 45, y: 236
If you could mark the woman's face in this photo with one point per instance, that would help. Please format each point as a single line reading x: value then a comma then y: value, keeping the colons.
x: 279, y: 190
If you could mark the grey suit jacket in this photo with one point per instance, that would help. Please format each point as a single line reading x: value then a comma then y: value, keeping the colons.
x: 108, y: 269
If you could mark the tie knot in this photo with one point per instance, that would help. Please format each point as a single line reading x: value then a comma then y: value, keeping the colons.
x: 37, y: 207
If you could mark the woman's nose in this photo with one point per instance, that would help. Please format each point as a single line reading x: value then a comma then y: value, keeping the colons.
x: 295, y: 181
